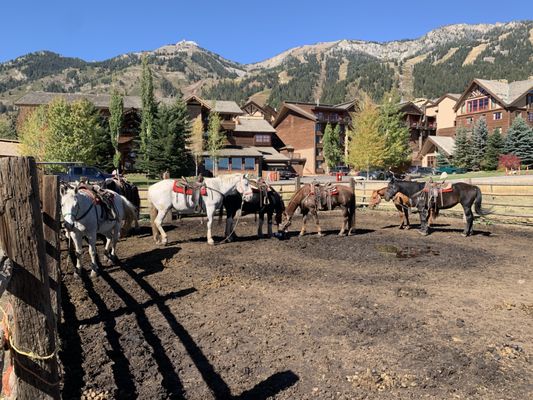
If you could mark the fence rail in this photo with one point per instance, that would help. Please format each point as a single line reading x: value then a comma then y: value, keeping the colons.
x: 498, y: 196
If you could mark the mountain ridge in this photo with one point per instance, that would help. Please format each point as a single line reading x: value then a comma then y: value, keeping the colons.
x: 333, y: 71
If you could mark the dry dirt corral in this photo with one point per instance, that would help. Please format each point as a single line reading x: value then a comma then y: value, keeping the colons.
x: 384, y: 314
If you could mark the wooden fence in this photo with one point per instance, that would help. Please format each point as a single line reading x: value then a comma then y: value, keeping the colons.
x: 29, y: 237
x: 510, y: 202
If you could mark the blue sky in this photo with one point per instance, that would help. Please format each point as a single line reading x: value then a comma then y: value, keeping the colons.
x: 243, y: 31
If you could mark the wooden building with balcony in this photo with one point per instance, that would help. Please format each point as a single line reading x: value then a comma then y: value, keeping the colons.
x: 498, y: 102
x: 420, y: 125
x: 300, y: 128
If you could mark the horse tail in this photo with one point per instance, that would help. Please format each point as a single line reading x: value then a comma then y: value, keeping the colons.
x: 353, y: 206
x: 130, y: 214
x: 477, y: 204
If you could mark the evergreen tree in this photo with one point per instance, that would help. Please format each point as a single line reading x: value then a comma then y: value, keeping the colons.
x: 479, y: 143
x: 215, y: 138
x: 519, y: 141
x: 148, y: 116
x: 366, y: 146
x: 396, y: 133
x: 332, y: 146
x: 462, y: 154
x: 7, y: 127
x: 116, y: 110
x: 168, y: 147
x: 197, y: 140
x: 442, y: 160
x: 495, y: 147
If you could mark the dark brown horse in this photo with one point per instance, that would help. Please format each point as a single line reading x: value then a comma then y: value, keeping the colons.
x: 433, y: 198
x: 402, y: 203
x: 312, y: 198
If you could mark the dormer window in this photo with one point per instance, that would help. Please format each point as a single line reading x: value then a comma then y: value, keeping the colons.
x: 477, y: 105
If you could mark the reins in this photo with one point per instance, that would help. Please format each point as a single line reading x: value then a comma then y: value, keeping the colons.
x: 235, y: 224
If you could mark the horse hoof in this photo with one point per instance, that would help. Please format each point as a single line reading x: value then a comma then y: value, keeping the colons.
x: 465, y: 234
x: 94, y: 274
x: 423, y: 233
x: 211, y: 242
x: 301, y: 234
x: 319, y: 234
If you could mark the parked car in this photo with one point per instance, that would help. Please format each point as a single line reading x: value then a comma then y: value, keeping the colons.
x: 76, y: 172
x: 286, y: 173
x: 418, y: 172
x: 342, y: 169
x: 375, y: 175
x: 451, y: 170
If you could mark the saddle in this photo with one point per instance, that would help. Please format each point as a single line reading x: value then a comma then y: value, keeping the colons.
x: 434, y: 189
x: 104, y: 198
x: 196, y: 189
x: 263, y: 188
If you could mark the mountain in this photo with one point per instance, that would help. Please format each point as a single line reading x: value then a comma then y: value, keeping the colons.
x: 443, y: 60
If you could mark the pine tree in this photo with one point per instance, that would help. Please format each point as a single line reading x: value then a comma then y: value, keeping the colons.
x: 197, y: 140
x: 495, y: 147
x: 519, y: 141
x: 116, y: 111
x: 479, y: 143
x: 148, y: 116
x: 366, y: 146
x: 462, y: 155
x: 215, y: 138
x: 442, y: 160
x: 396, y: 133
x: 7, y: 127
x: 168, y: 147
x: 332, y: 146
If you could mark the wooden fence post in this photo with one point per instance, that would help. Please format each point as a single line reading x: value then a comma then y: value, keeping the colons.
x: 32, y: 330
x: 50, y: 204
x: 297, y: 184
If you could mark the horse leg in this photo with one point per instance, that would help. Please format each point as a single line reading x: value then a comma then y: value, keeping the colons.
x: 269, y: 221
x: 229, y: 226
x: 345, y: 221
x: 260, y: 224
x: 158, y: 222
x: 304, y: 219
x: 78, y: 248
x: 317, y: 222
x: 94, y: 255
x: 114, y: 241
x: 107, y: 249
x: 469, y: 226
x: 210, y: 211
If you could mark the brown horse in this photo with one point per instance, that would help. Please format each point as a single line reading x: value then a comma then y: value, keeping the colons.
x: 402, y: 203
x: 312, y: 198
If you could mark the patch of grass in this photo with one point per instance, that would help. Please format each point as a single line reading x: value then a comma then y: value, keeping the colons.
x: 476, y: 174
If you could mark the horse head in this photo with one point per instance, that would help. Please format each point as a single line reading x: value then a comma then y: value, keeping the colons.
x: 69, y: 206
x: 375, y: 199
x: 392, y: 189
x: 244, y: 188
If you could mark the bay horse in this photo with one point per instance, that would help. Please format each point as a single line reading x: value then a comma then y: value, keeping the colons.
x: 401, y: 202
x: 433, y: 198
x: 265, y: 200
x: 84, y: 217
x: 311, y: 198
x: 210, y: 194
x: 126, y: 189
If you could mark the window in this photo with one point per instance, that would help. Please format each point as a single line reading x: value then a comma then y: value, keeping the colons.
x: 529, y: 100
x: 249, y: 163
x: 469, y: 120
x: 223, y: 163
x: 530, y: 116
x: 208, y: 163
x: 264, y: 139
x: 497, y: 116
x: 236, y: 163
x: 478, y: 105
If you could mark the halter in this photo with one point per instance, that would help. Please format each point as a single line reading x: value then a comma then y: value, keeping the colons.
x: 77, y: 207
x: 249, y: 191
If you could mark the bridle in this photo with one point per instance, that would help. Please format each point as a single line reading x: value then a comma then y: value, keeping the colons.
x: 75, y: 215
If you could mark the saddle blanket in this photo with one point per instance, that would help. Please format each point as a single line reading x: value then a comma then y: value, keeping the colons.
x: 179, y: 188
x: 445, y: 189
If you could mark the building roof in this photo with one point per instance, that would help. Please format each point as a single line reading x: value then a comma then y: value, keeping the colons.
x: 99, y: 100
x: 237, y: 152
x: 9, y: 148
x: 259, y: 125
x: 270, y: 154
x: 221, y: 106
x: 505, y: 92
x: 453, y: 96
x: 444, y: 143
x: 409, y: 104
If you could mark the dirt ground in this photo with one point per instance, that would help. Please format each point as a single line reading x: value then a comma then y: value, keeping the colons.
x: 383, y: 314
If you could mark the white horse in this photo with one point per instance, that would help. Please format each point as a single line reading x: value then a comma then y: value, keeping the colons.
x: 83, y: 217
x: 162, y: 199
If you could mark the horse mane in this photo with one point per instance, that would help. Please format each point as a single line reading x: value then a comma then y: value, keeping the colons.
x: 226, y: 178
